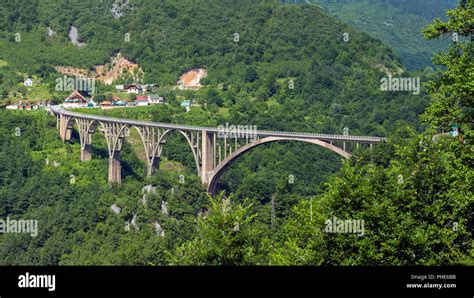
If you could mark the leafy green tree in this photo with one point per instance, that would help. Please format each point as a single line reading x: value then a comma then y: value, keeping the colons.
x: 453, y: 92
x: 251, y: 75
x: 226, y: 236
x: 213, y: 97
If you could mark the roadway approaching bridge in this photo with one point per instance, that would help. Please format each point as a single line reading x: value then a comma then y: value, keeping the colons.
x: 214, y: 149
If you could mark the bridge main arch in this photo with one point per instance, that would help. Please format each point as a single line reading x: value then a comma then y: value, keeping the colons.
x: 219, y: 170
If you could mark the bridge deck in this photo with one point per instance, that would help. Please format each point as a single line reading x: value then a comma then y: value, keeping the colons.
x: 259, y: 133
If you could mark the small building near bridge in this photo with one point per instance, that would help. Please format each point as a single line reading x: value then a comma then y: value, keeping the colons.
x: 77, y: 99
x: 186, y: 104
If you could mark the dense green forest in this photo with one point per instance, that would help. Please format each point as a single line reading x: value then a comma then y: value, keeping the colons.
x: 414, y: 192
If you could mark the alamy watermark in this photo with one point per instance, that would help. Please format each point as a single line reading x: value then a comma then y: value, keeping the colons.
x: 237, y: 131
x: 13, y: 226
x: 348, y: 226
x: 66, y: 83
x: 28, y: 280
x: 400, y: 84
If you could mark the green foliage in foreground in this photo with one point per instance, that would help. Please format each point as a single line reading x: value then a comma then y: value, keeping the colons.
x: 416, y: 210
x: 227, y: 235
x: 453, y: 92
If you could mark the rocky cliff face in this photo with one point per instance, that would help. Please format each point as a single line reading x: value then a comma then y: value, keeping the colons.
x: 192, y: 79
x: 106, y: 73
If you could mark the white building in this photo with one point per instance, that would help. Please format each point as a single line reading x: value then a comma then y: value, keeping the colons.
x: 12, y: 107
x: 155, y: 99
x: 133, y: 89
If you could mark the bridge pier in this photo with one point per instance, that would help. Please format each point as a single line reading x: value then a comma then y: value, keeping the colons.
x: 68, y: 136
x: 62, y: 129
x: 65, y: 128
x: 152, y: 165
x: 115, y: 168
x: 114, y: 134
x: 152, y: 142
x: 86, y: 128
x: 207, y: 156
x: 86, y: 152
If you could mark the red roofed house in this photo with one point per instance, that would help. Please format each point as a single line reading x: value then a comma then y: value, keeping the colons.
x: 133, y: 89
x: 142, y: 100
x: 76, y: 100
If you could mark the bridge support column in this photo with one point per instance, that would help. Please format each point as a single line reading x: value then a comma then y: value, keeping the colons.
x: 86, y: 129
x: 86, y: 152
x: 62, y: 127
x: 115, y: 168
x: 68, y: 134
x: 151, y: 139
x: 65, y: 128
x: 207, y: 156
x: 114, y: 134
x: 153, y: 165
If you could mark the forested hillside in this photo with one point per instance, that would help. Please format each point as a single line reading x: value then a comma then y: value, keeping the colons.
x: 279, y: 67
x: 283, y: 68
x: 397, y: 23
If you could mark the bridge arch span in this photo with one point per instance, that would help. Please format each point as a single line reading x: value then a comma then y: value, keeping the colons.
x: 209, y: 145
x: 114, y: 134
x: 85, y: 130
x: 188, y: 136
x: 219, y: 170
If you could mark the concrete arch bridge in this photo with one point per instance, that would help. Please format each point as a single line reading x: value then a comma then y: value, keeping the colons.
x: 214, y: 148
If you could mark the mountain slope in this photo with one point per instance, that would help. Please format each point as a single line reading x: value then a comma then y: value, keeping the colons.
x: 249, y: 46
x: 398, y: 23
